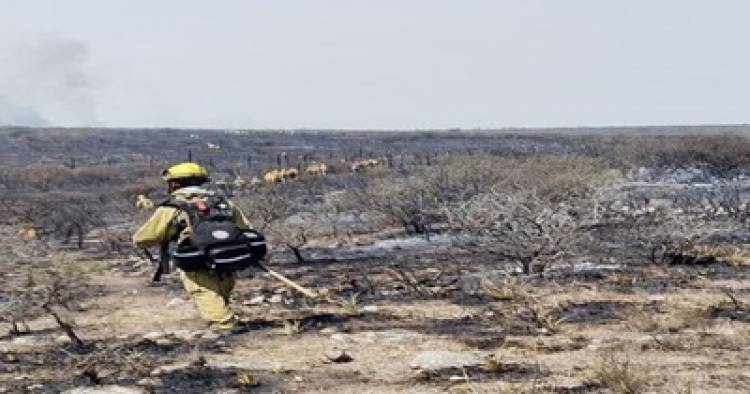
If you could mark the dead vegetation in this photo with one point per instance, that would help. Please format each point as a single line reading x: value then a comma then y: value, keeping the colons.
x: 620, y: 376
x: 44, y: 288
x: 544, y: 252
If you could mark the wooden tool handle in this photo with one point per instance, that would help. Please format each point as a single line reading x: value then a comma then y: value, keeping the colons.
x: 290, y: 283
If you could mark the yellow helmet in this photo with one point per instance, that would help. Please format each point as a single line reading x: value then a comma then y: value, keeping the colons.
x: 185, y: 170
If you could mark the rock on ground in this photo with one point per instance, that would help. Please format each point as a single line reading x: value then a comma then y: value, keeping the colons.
x: 175, y: 301
x: 166, y: 369
x: 63, y: 340
x: 257, y: 300
x: 337, y: 356
x: 19, y: 344
x: 154, y: 335
x: 442, y: 359
x: 276, y: 299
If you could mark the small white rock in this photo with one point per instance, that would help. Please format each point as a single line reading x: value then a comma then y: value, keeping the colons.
x: 257, y: 300
x: 329, y: 330
x: 63, y: 340
x: 175, y: 301
x: 149, y: 382
x: 153, y: 335
x: 220, y: 343
x: 211, y: 335
x: 165, y: 369
x: 185, y: 335
x: 370, y: 308
x: 21, y: 343
x: 164, y: 342
x: 276, y: 299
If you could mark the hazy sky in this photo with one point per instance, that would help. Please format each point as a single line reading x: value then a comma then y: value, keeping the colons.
x: 374, y: 64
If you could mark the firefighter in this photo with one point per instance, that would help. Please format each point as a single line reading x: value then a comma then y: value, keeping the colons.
x: 209, y: 289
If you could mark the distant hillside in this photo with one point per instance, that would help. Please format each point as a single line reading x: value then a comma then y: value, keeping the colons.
x: 19, y: 145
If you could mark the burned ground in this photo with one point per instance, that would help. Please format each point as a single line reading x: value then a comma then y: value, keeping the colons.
x: 478, y: 262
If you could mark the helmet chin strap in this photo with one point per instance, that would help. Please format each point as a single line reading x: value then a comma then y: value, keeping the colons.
x: 172, y: 186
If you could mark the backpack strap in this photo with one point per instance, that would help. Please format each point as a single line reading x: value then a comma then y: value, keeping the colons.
x: 174, y: 203
x: 176, y: 223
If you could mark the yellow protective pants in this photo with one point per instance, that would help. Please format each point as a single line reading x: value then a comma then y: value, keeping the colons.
x: 210, y: 291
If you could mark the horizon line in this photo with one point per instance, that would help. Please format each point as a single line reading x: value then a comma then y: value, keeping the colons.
x: 384, y: 130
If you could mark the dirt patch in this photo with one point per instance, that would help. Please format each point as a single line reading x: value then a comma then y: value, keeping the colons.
x: 547, y: 336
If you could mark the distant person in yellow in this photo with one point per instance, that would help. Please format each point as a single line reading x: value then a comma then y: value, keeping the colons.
x: 210, y: 289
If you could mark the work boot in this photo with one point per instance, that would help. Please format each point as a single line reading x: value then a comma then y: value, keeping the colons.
x: 230, y: 328
x: 240, y: 328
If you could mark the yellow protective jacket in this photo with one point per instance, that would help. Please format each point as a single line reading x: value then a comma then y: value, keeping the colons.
x: 158, y: 227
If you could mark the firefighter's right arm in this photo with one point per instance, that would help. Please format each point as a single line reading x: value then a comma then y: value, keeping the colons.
x: 156, y: 229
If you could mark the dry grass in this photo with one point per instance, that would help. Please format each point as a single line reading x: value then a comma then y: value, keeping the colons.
x: 680, y: 322
x: 134, y: 360
x: 351, y: 305
x: 492, y: 364
x: 506, y: 290
x: 291, y: 327
x: 620, y: 376
x: 384, y: 345
x: 702, y: 253
x: 246, y: 380
x: 669, y: 318
x: 544, y: 319
x: 622, y: 279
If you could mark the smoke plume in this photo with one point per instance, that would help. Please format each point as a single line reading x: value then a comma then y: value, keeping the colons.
x: 43, y: 81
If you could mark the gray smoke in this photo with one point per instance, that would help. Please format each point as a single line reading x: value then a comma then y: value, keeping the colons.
x: 14, y: 114
x: 43, y: 81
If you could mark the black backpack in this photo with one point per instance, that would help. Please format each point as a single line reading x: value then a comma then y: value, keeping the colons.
x: 214, y: 242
